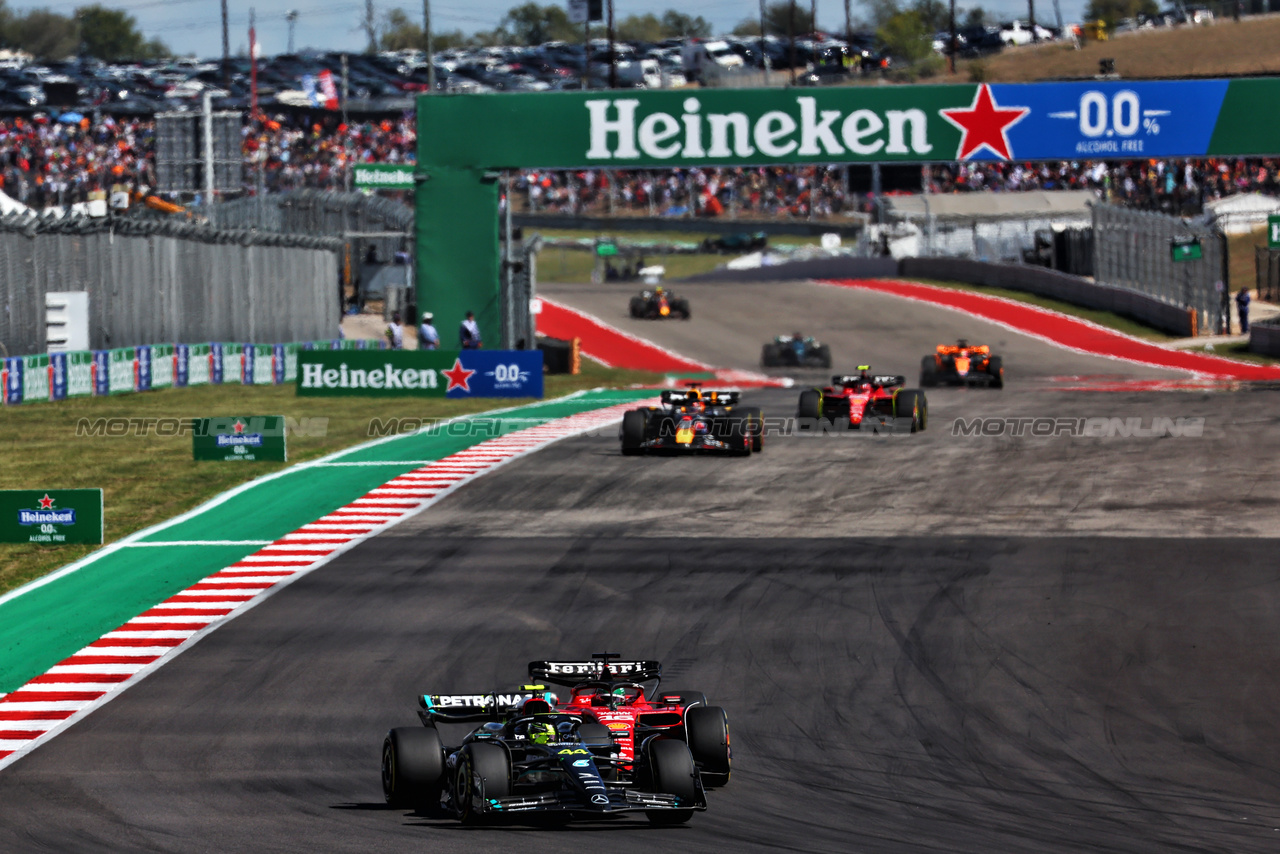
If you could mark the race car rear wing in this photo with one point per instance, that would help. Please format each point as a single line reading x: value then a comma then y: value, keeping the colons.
x: 882, y: 380
x: 474, y: 708
x: 574, y: 672
x: 720, y: 397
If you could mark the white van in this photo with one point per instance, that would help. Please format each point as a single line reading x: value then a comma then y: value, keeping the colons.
x: 698, y: 54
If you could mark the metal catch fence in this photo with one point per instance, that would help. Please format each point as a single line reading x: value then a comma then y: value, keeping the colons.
x: 1133, y: 250
x: 151, y: 282
x: 1267, y: 262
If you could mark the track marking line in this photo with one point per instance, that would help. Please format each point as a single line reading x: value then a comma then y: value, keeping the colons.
x: 72, y: 689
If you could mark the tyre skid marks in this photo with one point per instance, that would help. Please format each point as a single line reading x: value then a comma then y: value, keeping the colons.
x: 55, y: 700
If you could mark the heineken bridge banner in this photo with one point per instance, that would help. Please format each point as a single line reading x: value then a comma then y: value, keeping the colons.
x: 54, y: 517
x: 1013, y: 121
x: 421, y: 373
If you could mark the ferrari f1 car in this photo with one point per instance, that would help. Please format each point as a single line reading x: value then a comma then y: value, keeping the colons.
x: 962, y: 363
x: 695, y: 419
x: 865, y: 402
x: 529, y: 756
x: 796, y: 351
x: 659, y: 304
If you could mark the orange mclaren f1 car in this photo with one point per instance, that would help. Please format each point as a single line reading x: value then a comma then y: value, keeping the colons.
x: 962, y: 363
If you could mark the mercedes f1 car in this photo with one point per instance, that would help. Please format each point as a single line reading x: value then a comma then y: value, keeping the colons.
x: 962, y: 363
x: 796, y: 351
x: 694, y: 420
x: 531, y: 757
x: 865, y: 402
x: 659, y: 304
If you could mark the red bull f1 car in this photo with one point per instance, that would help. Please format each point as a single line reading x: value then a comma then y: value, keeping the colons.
x: 659, y: 304
x: 864, y: 402
x: 694, y: 420
x: 962, y: 363
x: 534, y: 754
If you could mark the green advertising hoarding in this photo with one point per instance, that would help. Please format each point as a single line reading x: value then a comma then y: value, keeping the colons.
x: 244, y: 438
x: 53, y: 517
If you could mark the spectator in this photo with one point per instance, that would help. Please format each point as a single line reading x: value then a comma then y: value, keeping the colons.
x: 395, y: 332
x: 1242, y: 309
x: 428, y: 337
x: 469, y: 333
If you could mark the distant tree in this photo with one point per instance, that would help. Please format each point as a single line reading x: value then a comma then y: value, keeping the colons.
x: 112, y: 35
x: 777, y: 18
x: 934, y: 14
x: 747, y: 27
x: 905, y: 35
x: 45, y: 35
x: 1113, y: 11
x: 399, y: 32
x: 880, y: 11
x: 677, y: 24
x: 975, y: 17
x: 532, y: 24
x: 640, y: 28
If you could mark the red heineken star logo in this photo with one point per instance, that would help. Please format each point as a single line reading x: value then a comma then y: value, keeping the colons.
x: 459, y: 377
x: 239, y: 427
x: 46, y: 503
x: 984, y: 124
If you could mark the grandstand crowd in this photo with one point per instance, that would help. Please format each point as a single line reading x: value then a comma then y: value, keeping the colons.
x: 45, y: 162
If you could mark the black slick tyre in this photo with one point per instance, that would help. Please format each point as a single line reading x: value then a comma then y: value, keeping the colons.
x: 928, y: 372
x: 633, y: 430
x: 707, y: 728
x: 412, y: 767
x: 810, y: 405
x: 672, y: 772
x: 911, y: 403
x: 824, y: 356
x: 995, y: 367
x: 637, y: 307
x: 489, y: 762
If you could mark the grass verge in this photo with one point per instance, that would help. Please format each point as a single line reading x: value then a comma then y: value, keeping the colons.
x: 148, y: 479
x: 1238, y: 350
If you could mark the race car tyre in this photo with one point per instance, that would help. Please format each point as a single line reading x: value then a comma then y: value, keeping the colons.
x: 769, y: 356
x: 810, y: 405
x: 637, y: 307
x: 489, y: 762
x: 412, y: 767
x: 755, y: 427
x: 633, y: 429
x: 708, y: 245
x: 708, y: 733
x: 741, y: 440
x: 928, y: 372
x: 911, y: 403
x: 672, y: 772
x: 823, y: 354
x: 995, y: 367
x: 681, y: 307
x: 687, y: 698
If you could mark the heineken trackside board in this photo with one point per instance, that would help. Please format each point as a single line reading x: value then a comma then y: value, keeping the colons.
x: 55, y: 517
x: 242, y: 438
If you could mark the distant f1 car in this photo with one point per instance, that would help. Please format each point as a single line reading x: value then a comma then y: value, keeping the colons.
x: 865, y: 402
x: 659, y: 304
x: 530, y: 755
x: 962, y: 363
x: 694, y: 420
x: 796, y: 351
x: 740, y: 242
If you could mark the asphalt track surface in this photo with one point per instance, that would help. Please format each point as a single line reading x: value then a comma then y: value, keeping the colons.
x: 925, y: 643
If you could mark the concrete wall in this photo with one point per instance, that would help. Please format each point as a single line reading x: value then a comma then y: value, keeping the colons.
x: 1264, y: 338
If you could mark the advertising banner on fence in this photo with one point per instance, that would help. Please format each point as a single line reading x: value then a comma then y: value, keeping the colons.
x: 51, y: 516
x: 433, y: 373
x: 245, y: 438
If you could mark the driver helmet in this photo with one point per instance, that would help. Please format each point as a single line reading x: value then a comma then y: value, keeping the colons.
x: 658, y: 290
x: 542, y: 732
